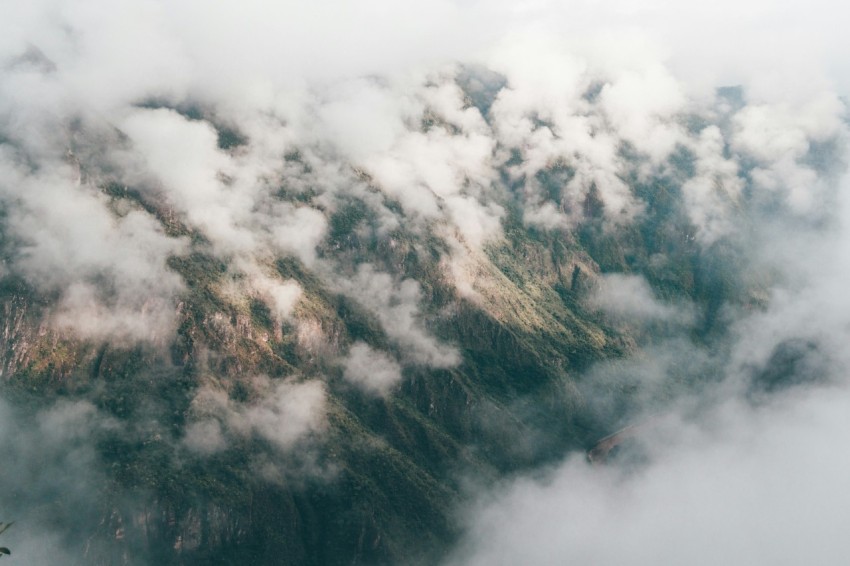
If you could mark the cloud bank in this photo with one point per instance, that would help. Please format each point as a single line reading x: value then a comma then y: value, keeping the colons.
x: 744, y: 471
x: 137, y: 133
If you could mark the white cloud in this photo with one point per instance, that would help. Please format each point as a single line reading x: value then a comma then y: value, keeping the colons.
x: 779, y: 137
x: 292, y: 411
x: 298, y: 230
x: 642, y: 106
x: 397, y: 306
x: 345, y: 89
x: 182, y: 155
x: 287, y: 413
x: 110, y: 270
x: 713, y: 193
x: 372, y: 370
x: 727, y: 477
x: 630, y: 298
x: 354, y: 104
x: 205, y: 437
x: 764, y: 488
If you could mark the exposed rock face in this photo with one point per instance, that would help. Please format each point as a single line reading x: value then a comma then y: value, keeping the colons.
x: 246, y: 339
x: 197, y: 463
x: 375, y: 483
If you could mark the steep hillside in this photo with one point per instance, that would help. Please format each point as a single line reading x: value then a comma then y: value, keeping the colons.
x: 195, y: 465
x: 274, y: 324
x: 375, y: 482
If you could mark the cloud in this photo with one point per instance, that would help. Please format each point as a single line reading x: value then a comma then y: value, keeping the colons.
x: 630, y: 298
x: 288, y: 412
x: 573, y: 111
x: 182, y: 155
x: 298, y: 230
x: 397, y: 306
x: 370, y: 369
x: 51, y: 455
x: 754, y: 488
x: 205, y: 437
x: 247, y: 128
x: 713, y: 194
x: 384, y: 128
x: 291, y: 412
x: 780, y: 138
x: 742, y: 470
x: 282, y: 296
x: 109, y: 269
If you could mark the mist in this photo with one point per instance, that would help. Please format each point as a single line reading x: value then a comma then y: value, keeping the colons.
x: 747, y: 468
x: 277, y: 141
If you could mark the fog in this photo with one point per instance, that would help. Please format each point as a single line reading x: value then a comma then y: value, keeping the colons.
x: 327, y: 103
x: 739, y: 487
x: 745, y: 479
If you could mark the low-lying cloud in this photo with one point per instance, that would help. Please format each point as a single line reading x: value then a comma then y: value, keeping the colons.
x: 748, y: 471
x: 742, y: 487
x: 372, y: 370
x: 135, y: 134
x: 630, y: 298
x: 287, y: 413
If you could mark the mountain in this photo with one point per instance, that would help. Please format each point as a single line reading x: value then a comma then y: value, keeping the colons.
x: 378, y: 480
x: 235, y: 349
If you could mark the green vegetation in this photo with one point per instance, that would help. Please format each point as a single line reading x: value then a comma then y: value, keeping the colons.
x: 379, y: 484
